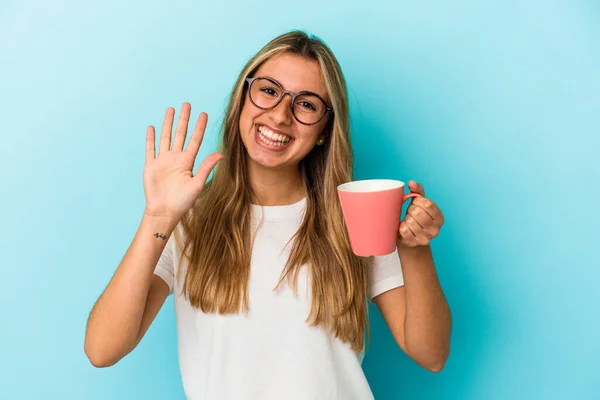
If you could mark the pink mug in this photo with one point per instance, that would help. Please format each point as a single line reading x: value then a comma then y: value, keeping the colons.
x: 372, y: 210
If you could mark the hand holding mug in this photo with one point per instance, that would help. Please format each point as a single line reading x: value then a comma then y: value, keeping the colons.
x: 423, y: 219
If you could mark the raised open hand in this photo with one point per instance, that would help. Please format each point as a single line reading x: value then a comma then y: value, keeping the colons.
x: 169, y: 185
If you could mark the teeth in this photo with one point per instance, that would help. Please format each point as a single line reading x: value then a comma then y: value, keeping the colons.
x: 272, y: 135
x: 266, y: 140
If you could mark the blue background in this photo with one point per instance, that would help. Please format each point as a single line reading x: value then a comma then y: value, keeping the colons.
x: 493, y: 106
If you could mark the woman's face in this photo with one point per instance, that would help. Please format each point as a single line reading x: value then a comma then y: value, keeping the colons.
x: 297, y: 74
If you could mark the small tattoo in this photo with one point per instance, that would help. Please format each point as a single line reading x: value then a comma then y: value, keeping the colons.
x: 160, y: 235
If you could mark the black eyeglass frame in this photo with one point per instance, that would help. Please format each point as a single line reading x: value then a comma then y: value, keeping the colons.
x: 292, y: 94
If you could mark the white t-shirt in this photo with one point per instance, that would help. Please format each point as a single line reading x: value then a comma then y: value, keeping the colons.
x: 271, y: 353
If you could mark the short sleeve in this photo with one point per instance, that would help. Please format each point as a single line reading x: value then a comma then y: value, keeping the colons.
x: 384, y: 274
x: 165, y: 268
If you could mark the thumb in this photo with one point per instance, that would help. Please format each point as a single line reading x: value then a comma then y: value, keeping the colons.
x: 416, y: 187
x: 205, y: 168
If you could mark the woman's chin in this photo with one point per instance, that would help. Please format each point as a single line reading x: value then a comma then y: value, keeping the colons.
x: 266, y: 162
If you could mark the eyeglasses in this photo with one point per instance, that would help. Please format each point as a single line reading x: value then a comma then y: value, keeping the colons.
x: 307, y: 107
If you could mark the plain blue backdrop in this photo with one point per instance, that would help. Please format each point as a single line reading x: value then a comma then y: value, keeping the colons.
x: 493, y: 106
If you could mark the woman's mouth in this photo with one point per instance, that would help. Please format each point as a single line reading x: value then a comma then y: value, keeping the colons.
x: 271, y: 140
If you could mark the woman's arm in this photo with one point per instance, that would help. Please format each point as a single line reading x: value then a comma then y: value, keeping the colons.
x: 132, y: 298
x: 134, y: 295
x: 417, y: 313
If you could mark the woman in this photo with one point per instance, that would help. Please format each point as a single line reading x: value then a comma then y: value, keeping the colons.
x: 270, y: 301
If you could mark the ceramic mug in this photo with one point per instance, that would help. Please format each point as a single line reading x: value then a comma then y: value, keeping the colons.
x: 372, y: 210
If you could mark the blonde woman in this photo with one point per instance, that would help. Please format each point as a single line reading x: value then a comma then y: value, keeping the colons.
x: 270, y: 301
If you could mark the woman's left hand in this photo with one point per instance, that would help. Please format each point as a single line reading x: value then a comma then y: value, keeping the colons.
x: 422, y: 222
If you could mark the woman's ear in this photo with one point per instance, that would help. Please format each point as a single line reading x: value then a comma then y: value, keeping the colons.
x: 326, y: 132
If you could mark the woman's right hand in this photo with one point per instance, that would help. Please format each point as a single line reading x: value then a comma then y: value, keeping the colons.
x: 169, y: 185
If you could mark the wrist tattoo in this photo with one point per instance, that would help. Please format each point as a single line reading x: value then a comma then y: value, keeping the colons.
x: 160, y: 235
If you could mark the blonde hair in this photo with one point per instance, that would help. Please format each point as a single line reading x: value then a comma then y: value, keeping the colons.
x: 217, y: 230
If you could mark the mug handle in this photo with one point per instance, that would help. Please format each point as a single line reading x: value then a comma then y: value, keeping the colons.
x: 410, y: 195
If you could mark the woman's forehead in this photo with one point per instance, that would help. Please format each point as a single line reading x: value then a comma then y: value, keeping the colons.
x: 295, y: 73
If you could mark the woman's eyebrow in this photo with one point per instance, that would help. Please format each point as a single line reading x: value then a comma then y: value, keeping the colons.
x: 301, y: 91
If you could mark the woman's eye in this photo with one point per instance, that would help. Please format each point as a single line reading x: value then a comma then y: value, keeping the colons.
x: 307, y: 105
x: 269, y: 91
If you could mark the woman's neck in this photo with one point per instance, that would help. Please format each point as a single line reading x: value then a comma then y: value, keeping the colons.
x: 276, y: 187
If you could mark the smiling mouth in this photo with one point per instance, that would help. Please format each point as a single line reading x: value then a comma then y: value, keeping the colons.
x: 272, y: 140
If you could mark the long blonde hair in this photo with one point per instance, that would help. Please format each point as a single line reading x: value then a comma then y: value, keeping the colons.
x: 217, y: 237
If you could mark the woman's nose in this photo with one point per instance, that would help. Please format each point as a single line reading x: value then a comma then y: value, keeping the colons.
x: 282, y: 113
